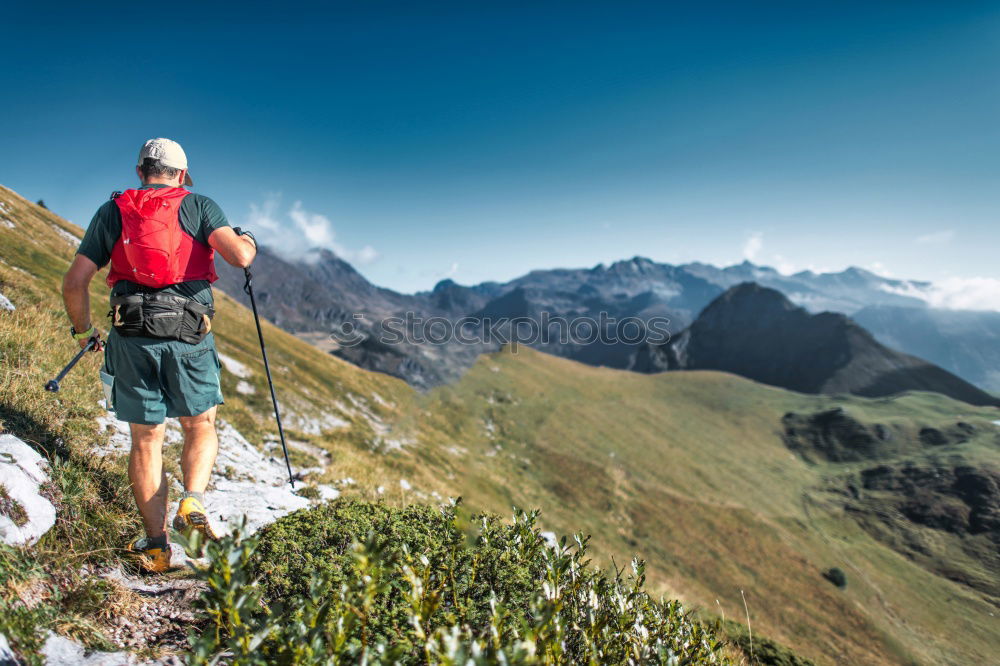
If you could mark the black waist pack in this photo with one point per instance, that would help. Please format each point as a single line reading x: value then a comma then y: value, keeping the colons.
x: 163, y: 316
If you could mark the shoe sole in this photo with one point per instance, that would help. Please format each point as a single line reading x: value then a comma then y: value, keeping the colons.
x: 195, y: 520
x: 150, y: 569
x: 147, y: 564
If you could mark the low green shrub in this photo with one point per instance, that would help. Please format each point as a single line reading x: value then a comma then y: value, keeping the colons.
x: 836, y: 576
x: 356, y: 582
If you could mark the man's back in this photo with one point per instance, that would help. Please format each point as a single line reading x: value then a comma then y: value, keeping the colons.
x: 199, y: 217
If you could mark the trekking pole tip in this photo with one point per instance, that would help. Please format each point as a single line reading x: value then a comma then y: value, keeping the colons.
x: 52, y: 386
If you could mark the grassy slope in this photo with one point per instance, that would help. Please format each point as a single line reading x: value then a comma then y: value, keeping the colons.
x: 688, y: 469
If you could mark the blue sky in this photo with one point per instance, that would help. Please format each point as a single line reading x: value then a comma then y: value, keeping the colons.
x: 479, y: 141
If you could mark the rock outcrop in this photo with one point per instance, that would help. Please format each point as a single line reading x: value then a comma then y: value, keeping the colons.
x: 246, y: 481
x: 25, y: 511
x: 945, y: 517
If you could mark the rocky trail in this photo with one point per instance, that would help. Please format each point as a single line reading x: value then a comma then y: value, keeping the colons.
x: 158, y: 610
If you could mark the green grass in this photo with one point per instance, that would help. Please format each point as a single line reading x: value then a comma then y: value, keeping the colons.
x: 12, y: 509
x: 687, y: 470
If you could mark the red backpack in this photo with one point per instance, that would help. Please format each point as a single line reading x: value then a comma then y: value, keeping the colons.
x: 153, y: 249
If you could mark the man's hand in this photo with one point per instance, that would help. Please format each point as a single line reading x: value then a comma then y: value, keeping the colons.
x: 96, y: 337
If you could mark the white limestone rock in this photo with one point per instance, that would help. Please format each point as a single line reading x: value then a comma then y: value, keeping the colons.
x: 236, y: 367
x: 7, y: 657
x: 249, y: 483
x: 22, y: 472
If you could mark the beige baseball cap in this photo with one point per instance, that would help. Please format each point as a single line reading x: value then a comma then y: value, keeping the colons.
x: 169, y: 153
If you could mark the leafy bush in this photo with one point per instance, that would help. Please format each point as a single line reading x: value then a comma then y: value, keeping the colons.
x: 836, y: 576
x: 427, y: 587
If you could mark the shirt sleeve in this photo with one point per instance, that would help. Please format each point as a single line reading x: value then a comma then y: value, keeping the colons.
x: 101, y: 235
x: 212, y: 218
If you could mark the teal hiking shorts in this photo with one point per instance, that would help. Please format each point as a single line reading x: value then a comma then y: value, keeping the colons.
x: 149, y: 379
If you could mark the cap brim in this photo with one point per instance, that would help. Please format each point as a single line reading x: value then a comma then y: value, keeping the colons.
x: 187, y: 180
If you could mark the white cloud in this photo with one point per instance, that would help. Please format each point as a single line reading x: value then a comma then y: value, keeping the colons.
x: 936, y: 238
x: 880, y: 269
x: 297, y: 231
x: 956, y: 293
x: 753, y: 245
x: 434, y: 272
x: 785, y: 266
x: 366, y: 255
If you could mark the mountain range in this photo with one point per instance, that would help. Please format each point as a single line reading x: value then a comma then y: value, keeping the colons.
x: 315, y: 296
x: 756, y: 332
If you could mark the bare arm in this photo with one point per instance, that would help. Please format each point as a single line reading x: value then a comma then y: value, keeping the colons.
x: 235, y: 249
x: 76, y: 294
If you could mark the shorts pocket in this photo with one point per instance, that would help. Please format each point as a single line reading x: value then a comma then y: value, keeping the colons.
x: 199, y: 370
x: 195, y: 354
x: 108, y: 384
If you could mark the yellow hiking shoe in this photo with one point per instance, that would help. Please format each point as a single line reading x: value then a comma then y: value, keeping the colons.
x: 191, y: 516
x: 150, y: 560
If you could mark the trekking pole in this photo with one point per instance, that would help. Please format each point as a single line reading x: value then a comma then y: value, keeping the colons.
x: 53, y: 384
x: 248, y: 288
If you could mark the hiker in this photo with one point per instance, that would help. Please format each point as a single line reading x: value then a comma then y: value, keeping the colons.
x: 159, y: 358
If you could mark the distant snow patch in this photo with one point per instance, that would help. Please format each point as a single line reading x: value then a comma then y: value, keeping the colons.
x: 550, y: 538
x: 65, y: 235
x: 997, y: 423
x: 272, y: 446
x: 22, y: 473
x: 5, y: 304
x: 245, y: 388
x: 395, y: 443
x: 312, y: 425
x: 4, y: 220
x: 405, y: 485
x: 236, y: 367
x: 382, y: 401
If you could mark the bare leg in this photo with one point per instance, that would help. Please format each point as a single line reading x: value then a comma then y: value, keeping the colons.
x: 149, y: 482
x: 201, y: 445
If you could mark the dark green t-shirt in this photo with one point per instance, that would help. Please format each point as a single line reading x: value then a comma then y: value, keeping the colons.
x: 199, y: 217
